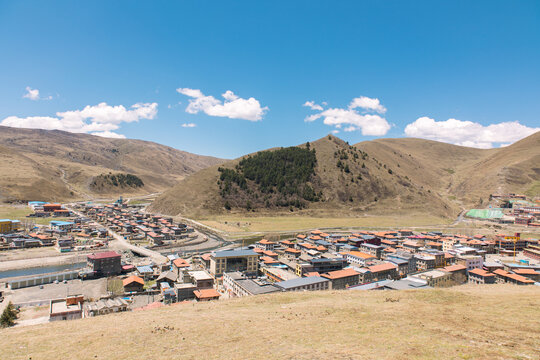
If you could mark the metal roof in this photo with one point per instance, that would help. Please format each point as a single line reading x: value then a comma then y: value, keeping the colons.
x: 289, y: 284
x: 234, y: 253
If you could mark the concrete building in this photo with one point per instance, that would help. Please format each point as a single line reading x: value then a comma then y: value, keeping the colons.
x: 105, y: 263
x: 359, y: 258
x: 342, y: 279
x: 310, y: 283
x: 106, y: 306
x: 470, y: 261
x: 206, y: 294
x: 481, y: 276
x: 435, y: 278
x: 243, y: 260
x: 66, y: 309
x: 7, y: 225
x: 238, y: 285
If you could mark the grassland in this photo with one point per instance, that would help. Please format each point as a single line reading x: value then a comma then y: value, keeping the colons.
x: 14, y: 212
x: 468, y: 322
x: 292, y: 223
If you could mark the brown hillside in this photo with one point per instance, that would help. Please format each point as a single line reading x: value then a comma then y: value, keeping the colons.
x: 57, y: 165
x: 351, y: 181
x: 466, y: 322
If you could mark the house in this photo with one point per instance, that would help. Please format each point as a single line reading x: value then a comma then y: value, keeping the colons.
x: 206, y: 294
x: 528, y: 273
x: 481, y: 276
x: 157, y: 239
x: 145, y: 271
x: 201, y: 279
x: 342, y: 279
x: 105, y: 263
x: 179, y: 265
x: 168, y: 277
x: 106, y: 306
x: 470, y: 261
x: 61, y: 225
x: 266, y: 245
x: 7, y: 225
x: 374, y: 250
x: 310, y: 283
x: 69, y: 308
x: 185, y: 291
x: 411, y: 246
x: 458, y: 273
x: 133, y: 284
x: 506, y: 277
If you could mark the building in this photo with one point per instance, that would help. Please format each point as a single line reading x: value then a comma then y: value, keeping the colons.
x: 435, y: 278
x: 458, y: 273
x: 321, y: 265
x: 266, y: 245
x: 106, y: 306
x: 470, y: 261
x: 383, y: 271
x: 7, y: 225
x: 359, y: 258
x: 238, y: 285
x: 133, y: 284
x: 206, y: 294
x: 310, y: 283
x: 243, y: 260
x: 61, y: 225
x: 201, y: 279
x: 424, y: 262
x: 342, y: 279
x: 374, y: 250
x: 481, y: 276
x: 503, y: 276
x: 105, y: 263
x: 69, y: 308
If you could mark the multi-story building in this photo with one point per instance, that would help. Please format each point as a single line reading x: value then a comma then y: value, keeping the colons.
x: 470, y: 261
x: 481, y: 276
x: 237, y: 285
x: 105, y: 263
x: 244, y: 260
x: 310, y: 283
x: 359, y: 258
x: 342, y: 279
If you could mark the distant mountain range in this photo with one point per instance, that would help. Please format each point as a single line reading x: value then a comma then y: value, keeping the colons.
x: 61, y: 166
x: 378, y: 177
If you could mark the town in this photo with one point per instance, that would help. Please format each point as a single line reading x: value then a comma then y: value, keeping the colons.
x: 127, y: 259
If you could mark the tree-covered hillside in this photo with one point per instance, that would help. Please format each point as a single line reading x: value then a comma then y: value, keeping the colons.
x: 276, y: 178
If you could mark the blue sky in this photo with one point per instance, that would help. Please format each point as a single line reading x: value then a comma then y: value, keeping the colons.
x: 457, y: 71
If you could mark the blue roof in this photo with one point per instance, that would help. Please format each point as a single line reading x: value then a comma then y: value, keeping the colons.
x: 234, y: 253
x: 300, y: 282
x: 145, y: 269
x: 61, y: 223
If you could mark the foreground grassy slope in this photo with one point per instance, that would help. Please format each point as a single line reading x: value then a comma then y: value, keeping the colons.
x: 58, y: 165
x: 469, y: 322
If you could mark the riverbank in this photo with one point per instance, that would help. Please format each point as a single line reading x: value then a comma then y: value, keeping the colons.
x: 42, y: 262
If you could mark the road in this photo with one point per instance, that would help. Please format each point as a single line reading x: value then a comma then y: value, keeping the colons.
x: 123, y: 243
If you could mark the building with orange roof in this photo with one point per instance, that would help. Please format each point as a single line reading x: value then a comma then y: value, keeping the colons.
x: 133, y: 284
x: 481, y: 276
x: 342, y: 279
x: 292, y: 252
x: 358, y: 258
x: 266, y: 245
x: 528, y: 273
x: 206, y: 294
x: 267, y: 260
x: 383, y: 271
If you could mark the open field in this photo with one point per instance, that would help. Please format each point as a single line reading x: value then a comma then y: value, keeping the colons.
x: 14, y: 212
x: 293, y: 222
x: 468, y: 322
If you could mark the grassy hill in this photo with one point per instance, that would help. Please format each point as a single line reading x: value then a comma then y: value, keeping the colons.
x: 467, y: 322
x: 380, y: 177
x: 345, y: 180
x: 57, y: 165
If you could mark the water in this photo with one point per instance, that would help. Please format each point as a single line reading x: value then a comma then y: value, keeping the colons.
x: 41, y: 270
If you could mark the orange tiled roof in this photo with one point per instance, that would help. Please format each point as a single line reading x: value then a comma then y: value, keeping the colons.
x: 132, y: 279
x: 360, y: 254
x: 338, y: 274
x: 381, y: 267
x: 206, y: 293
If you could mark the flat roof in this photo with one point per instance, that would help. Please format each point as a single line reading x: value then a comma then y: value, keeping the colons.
x: 254, y: 288
x: 60, y: 306
x: 199, y: 275
x: 234, y: 253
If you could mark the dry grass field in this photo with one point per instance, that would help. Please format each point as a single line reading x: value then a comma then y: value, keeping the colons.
x: 468, y: 322
x: 234, y: 224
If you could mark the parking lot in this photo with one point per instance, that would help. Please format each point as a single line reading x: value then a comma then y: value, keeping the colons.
x: 92, y: 289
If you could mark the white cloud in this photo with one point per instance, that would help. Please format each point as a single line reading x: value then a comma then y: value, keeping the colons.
x: 367, y: 122
x: 313, y: 106
x: 367, y: 104
x: 468, y: 133
x: 233, y: 107
x: 97, y: 119
x: 189, y: 125
x: 335, y: 132
x: 109, y: 134
x: 33, y: 94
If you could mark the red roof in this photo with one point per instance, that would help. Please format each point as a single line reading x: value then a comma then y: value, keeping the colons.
x: 132, y: 279
x: 104, y: 255
x: 180, y: 263
x: 481, y: 272
x: 381, y: 267
x: 206, y: 293
x: 453, y: 268
x: 340, y: 274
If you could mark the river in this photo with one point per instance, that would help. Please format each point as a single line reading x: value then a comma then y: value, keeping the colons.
x: 40, y: 270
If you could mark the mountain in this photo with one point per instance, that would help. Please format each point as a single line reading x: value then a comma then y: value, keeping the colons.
x: 383, y: 176
x: 344, y: 180
x: 55, y: 165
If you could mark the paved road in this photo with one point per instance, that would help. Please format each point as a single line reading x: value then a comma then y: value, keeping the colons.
x: 156, y: 257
